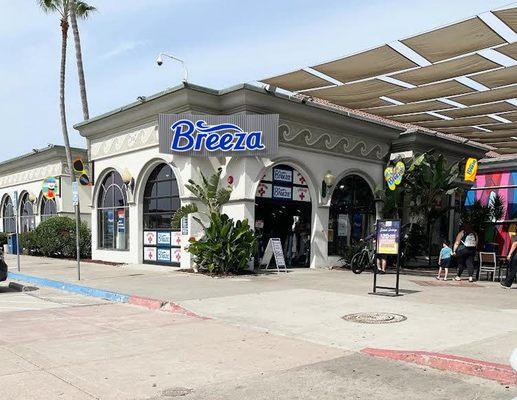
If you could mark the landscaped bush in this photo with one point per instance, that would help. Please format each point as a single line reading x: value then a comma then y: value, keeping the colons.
x: 3, y: 238
x: 55, y: 237
x: 27, y: 242
x: 226, y: 247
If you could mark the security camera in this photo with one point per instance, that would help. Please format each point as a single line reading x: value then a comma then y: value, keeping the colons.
x: 159, y: 60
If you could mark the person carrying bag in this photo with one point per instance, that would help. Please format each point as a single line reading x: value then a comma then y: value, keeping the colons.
x: 465, y: 250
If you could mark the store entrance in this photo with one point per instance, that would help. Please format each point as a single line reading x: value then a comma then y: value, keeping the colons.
x: 283, y: 210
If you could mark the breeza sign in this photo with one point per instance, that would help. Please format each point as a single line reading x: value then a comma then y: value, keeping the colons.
x: 218, y: 135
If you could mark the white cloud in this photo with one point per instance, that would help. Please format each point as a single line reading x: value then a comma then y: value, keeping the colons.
x: 122, y: 48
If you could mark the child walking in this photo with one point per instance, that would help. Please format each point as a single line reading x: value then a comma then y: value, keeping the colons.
x: 444, y: 261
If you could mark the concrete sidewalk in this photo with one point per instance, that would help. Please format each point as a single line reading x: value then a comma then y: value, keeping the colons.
x: 471, y: 320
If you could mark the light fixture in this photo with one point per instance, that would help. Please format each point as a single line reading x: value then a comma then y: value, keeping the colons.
x: 128, y: 179
x: 159, y: 61
x: 328, y: 181
x: 32, y: 197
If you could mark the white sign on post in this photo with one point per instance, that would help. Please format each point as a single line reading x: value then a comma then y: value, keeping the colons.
x: 75, y: 194
x: 274, y: 249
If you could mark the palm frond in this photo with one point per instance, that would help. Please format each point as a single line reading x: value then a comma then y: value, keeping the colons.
x: 83, y: 9
x: 183, y: 212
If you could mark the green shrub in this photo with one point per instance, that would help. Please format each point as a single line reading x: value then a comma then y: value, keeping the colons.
x: 3, y: 238
x: 226, y: 247
x: 28, y: 243
x: 55, y: 237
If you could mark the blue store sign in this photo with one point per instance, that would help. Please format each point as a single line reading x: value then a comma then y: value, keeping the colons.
x: 218, y: 135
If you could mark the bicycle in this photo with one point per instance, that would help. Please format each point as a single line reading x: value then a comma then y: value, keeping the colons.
x: 365, y: 258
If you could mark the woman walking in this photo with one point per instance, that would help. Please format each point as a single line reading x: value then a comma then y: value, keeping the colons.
x: 465, y: 249
x: 512, y: 271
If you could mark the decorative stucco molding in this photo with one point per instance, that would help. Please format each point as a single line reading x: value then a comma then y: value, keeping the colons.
x: 298, y: 135
x: 124, y: 142
x: 31, y: 175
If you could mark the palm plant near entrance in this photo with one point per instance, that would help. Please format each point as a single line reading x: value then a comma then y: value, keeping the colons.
x: 226, y: 246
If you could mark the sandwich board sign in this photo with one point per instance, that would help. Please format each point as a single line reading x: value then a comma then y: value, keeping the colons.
x: 274, y: 249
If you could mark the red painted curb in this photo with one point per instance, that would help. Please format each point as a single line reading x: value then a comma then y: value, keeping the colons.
x: 448, y: 362
x: 152, y: 304
x: 177, y: 309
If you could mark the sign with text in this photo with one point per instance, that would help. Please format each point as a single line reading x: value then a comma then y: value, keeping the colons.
x: 388, y: 236
x: 218, y: 135
x: 75, y: 194
x: 274, y: 249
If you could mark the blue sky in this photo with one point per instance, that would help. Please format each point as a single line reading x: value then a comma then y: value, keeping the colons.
x: 224, y: 42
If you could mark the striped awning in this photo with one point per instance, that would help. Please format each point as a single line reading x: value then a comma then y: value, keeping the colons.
x: 459, y: 79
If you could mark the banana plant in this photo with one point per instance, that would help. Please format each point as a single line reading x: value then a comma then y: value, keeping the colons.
x: 209, y: 193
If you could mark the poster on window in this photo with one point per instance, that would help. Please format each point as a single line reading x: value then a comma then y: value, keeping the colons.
x: 282, y: 175
x: 299, y: 179
x: 121, y: 222
x: 282, y: 192
x: 176, y: 238
x: 163, y: 255
x: 301, y: 194
x: 163, y: 238
x: 264, y: 190
x: 150, y: 238
x: 343, y: 225
x: 149, y: 253
x: 176, y: 255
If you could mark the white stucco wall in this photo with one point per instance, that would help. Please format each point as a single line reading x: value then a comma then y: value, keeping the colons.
x: 246, y: 171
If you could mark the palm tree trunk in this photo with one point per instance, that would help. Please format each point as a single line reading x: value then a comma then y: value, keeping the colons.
x: 79, y: 59
x: 64, y: 130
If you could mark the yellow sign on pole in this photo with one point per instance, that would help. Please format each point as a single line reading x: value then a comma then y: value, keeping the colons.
x: 471, y: 169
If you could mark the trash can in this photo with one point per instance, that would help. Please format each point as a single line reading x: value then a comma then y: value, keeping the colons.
x: 11, y: 243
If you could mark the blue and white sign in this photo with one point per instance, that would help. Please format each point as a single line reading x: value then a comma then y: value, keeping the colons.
x: 218, y: 135
x: 75, y: 193
x: 163, y: 238
x: 282, y: 192
x: 163, y: 255
x: 282, y: 175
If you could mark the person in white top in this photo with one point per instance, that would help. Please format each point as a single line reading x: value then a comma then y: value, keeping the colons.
x: 465, y: 249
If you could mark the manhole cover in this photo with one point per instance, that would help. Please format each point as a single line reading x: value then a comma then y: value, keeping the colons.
x: 176, y: 392
x: 374, y: 318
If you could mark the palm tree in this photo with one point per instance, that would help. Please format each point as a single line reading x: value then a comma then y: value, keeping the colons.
x: 62, y: 7
x: 82, y: 10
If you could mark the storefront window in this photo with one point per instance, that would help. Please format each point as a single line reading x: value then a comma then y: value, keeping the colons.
x: 8, y: 220
x: 27, y: 220
x: 113, y: 214
x: 48, y: 208
x: 351, y: 215
x: 161, y: 200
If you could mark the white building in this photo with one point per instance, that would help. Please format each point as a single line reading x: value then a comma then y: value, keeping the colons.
x: 25, y: 176
x: 137, y: 188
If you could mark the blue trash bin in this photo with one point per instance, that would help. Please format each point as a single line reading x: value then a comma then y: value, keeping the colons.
x: 11, y: 243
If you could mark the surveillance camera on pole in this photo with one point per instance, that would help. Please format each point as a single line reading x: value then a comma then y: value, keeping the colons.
x: 159, y: 61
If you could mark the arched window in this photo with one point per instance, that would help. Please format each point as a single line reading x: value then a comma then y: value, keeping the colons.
x: 161, y: 198
x: 27, y: 220
x: 9, y: 223
x: 351, y: 214
x: 161, y: 201
x: 112, y: 214
x: 48, y: 208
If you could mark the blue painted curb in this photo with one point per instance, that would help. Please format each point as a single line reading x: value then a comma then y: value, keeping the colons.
x: 71, y: 287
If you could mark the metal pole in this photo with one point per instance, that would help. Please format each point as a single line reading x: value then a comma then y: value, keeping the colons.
x: 16, y: 230
x: 77, y: 241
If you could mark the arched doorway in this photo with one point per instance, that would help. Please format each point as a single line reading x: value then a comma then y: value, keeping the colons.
x: 27, y: 220
x: 162, y: 243
x: 9, y: 222
x: 351, y: 214
x: 112, y: 214
x: 48, y: 208
x: 283, y: 210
